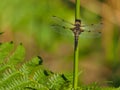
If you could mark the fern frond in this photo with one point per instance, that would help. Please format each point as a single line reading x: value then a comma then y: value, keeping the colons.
x: 5, y: 68
x: 5, y: 50
x: 110, y: 88
x: 31, y: 66
x: 24, y: 83
x: 35, y: 86
x: 35, y: 62
x: 8, y: 76
x: 32, y: 75
x: 92, y: 86
x: 55, y: 82
x: 38, y: 75
x: 18, y: 55
x: 24, y: 69
x: 18, y: 83
x: 41, y: 77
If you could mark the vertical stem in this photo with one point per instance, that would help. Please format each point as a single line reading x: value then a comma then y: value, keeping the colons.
x: 76, y: 48
x: 77, y: 10
x: 75, y: 71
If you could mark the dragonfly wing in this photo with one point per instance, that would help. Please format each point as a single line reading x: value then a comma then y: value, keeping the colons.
x: 92, y: 27
x: 61, y: 26
x: 61, y: 21
x: 91, y: 31
x: 90, y: 35
x: 61, y: 30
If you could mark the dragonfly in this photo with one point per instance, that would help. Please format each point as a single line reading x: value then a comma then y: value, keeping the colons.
x: 64, y: 27
x: 77, y: 28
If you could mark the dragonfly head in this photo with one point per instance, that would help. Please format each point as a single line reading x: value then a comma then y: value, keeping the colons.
x: 77, y: 22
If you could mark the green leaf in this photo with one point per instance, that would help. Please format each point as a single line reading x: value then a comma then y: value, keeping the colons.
x: 4, y: 67
x: 17, y: 56
x: 40, y: 77
x: 110, y: 88
x: 5, y: 50
x: 35, y: 86
x: 32, y: 66
x: 55, y: 82
x: 8, y: 77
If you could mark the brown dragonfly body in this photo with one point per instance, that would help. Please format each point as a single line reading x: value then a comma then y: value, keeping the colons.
x: 77, y: 31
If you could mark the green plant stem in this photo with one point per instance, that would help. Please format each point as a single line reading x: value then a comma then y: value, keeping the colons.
x: 77, y: 10
x: 76, y: 48
x: 75, y: 71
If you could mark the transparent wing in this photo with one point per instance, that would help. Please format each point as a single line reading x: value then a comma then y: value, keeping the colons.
x: 93, y: 27
x: 61, y: 21
x: 61, y: 30
x: 90, y: 35
x: 61, y: 26
x: 91, y: 30
x: 66, y: 32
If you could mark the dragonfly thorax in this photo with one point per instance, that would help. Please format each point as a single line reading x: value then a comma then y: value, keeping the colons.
x: 77, y: 30
x: 77, y: 23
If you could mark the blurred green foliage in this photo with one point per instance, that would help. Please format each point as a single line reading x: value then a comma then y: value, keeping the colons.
x: 34, y: 17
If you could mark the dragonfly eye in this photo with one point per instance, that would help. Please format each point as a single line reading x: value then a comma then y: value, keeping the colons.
x: 77, y: 20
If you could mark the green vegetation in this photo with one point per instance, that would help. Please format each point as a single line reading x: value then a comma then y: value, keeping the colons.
x: 29, y: 22
x: 17, y: 74
x: 31, y: 75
